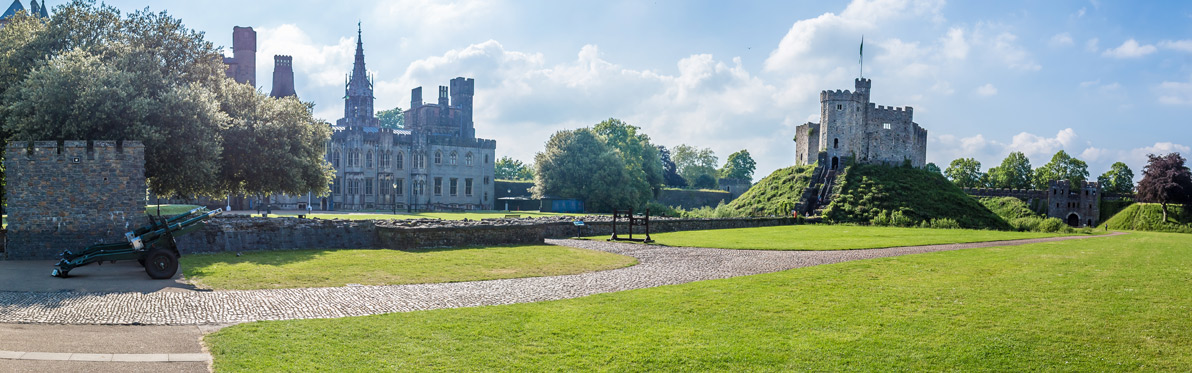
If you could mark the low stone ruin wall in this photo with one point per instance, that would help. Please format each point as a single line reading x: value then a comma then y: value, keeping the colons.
x: 239, y: 233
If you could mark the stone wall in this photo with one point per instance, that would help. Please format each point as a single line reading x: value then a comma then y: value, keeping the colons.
x: 690, y: 199
x: 240, y: 233
x: 72, y: 196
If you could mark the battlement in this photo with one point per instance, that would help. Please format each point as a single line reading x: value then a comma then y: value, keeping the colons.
x: 76, y: 151
x: 1063, y: 184
x: 283, y: 61
x: 839, y: 95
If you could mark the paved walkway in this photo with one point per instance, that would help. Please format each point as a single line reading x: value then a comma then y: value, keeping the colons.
x: 658, y: 266
x: 93, y: 348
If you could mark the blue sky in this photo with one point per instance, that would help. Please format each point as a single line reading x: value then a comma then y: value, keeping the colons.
x: 1105, y: 81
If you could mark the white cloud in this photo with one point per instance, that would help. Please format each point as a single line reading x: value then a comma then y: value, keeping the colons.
x: 1175, y: 93
x: 1179, y: 45
x: 1038, y: 146
x: 1092, y: 45
x: 954, y: 45
x: 1061, y: 40
x: 986, y: 90
x: 1129, y: 49
x: 314, y: 65
x: 1013, y: 55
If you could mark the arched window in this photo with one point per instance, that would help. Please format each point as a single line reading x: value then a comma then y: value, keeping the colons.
x: 335, y: 158
x: 454, y: 158
x: 835, y: 143
x: 468, y: 159
x: 398, y: 160
x: 438, y: 157
x: 368, y: 159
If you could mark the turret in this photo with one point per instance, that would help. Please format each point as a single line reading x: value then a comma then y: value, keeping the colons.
x: 462, y: 91
x: 244, y: 51
x: 283, y: 77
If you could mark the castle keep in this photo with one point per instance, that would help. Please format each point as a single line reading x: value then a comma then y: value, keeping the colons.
x: 851, y: 126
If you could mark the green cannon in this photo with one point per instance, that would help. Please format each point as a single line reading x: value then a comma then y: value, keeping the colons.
x: 152, y: 245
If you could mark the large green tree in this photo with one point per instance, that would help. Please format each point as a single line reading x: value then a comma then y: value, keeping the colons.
x: 1014, y: 173
x: 670, y: 172
x: 512, y: 169
x: 393, y: 118
x: 578, y: 164
x: 90, y: 73
x: 1119, y: 179
x: 739, y: 166
x: 1165, y: 179
x: 693, y: 162
x: 642, y: 161
x: 965, y: 172
x: 1061, y: 167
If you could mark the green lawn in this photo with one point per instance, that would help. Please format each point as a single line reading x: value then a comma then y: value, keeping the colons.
x: 1100, y: 304
x: 322, y: 268
x: 829, y: 237
x: 430, y: 215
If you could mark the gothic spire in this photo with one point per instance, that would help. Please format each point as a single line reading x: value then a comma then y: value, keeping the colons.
x: 358, y: 98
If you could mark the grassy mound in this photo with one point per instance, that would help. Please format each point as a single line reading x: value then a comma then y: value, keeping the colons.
x: 1148, y: 217
x: 1009, y: 208
x: 774, y: 195
x: 904, y: 196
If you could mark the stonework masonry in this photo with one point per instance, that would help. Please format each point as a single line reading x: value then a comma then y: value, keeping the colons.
x: 852, y: 127
x: 72, y: 196
x: 242, y: 66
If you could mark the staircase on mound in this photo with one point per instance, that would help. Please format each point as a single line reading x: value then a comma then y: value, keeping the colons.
x: 820, y: 191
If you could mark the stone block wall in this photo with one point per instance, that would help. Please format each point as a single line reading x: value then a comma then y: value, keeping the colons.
x: 72, y: 196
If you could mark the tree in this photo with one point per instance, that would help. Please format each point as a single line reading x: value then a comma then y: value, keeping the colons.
x: 1061, y: 167
x: 739, y: 166
x: 578, y: 164
x: 1119, y: 179
x: 705, y: 181
x: 512, y: 169
x: 693, y: 162
x: 1165, y: 179
x: 931, y: 167
x: 1014, y: 173
x: 670, y: 174
x: 393, y: 118
x: 641, y: 158
x: 89, y: 73
x: 965, y: 172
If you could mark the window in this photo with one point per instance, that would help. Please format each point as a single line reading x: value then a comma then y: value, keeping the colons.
x: 335, y: 187
x: 353, y: 187
x: 401, y: 186
x: 486, y: 180
x: 438, y: 157
x: 438, y: 186
x: 839, y: 107
x: 454, y: 186
x: 335, y: 158
x: 399, y: 160
x: 835, y: 143
x: 468, y: 187
x: 886, y: 126
x: 454, y: 158
x: 468, y: 159
x: 354, y: 158
x: 383, y: 159
x: 368, y: 186
x: 368, y: 159
x: 486, y: 159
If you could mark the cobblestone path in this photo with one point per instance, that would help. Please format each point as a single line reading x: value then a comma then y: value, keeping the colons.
x: 658, y: 266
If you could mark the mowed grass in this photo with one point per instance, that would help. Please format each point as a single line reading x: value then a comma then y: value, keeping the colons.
x: 1098, y: 304
x: 828, y: 237
x: 326, y: 268
x: 430, y: 215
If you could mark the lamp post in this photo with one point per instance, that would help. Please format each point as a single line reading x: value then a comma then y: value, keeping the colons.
x: 393, y: 199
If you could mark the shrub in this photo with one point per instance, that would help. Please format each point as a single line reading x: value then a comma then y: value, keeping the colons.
x: 945, y: 223
x: 1054, y: 225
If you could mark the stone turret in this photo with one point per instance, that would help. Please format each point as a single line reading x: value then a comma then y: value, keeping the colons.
x: 358, y: 92
x: 283, y: 77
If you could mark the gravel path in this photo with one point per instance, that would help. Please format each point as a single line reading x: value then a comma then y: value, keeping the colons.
x: 658, y: 266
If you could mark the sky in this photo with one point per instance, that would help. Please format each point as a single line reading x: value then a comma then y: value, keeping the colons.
x: 1104, y: 81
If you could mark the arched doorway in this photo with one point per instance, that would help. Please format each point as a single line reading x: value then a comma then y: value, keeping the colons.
x: 835, y: 162
x: 1074, y: 220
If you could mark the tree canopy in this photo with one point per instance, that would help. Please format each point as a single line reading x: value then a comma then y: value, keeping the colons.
x: 393, y: 118
x: 90, y: 73
x: 931, y: 167
x: 670, y: 172
x: 965, y: 172
x: 578, y: 164
x: 641, y: 158
x: 1165, y: 179
x: 1014, y: 173
x: 512, y: 169
x: 1061, y: 167
x: 740, y: 165
x: 1119, y: 179
x: 693, y: 162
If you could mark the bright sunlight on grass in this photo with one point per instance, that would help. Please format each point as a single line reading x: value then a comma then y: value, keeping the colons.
x: 829, y: 237
x: 323, y: 268
x: 431, y: 215
x: 1105, y: 303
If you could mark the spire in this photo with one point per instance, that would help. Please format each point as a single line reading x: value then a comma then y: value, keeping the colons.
x: 358, y: 95
x: 358, y: 66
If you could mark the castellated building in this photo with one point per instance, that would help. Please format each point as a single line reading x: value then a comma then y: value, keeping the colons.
x: 242, y: 66
x: 434, y: 163
x: 852, y: 127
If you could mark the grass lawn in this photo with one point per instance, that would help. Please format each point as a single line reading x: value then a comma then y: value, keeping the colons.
x: 829, y: 237
x: 430, y: 215
x: 1106, y: 303
x: 323, y: 268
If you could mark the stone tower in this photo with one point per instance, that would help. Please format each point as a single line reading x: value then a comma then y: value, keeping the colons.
x: 358, y: 95
x: 851, y: 127
x: 283, y: 77
x: 242, y: 66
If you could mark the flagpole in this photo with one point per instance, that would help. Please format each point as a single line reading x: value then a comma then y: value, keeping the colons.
x: 862, y: 58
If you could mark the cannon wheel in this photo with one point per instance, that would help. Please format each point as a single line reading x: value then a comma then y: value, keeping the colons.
x: 161, y: 263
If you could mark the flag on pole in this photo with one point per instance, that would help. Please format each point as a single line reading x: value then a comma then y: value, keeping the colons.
x: 861, y: 59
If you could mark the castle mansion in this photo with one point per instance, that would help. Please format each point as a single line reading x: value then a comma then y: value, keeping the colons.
x: 852, y: 127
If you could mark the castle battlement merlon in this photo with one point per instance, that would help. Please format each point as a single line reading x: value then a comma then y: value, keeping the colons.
x: 69, y: 149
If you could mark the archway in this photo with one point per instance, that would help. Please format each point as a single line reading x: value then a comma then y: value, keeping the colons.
x: 1074, y: 220
x: 835, y: 162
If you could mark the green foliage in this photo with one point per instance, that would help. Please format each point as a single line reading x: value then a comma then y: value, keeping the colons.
x: 1014, y: 173
x: 670, y: 171
x: 774, y: 195
x: 1008, y: 208
x: 870, y: 190
x: 642, y: 161
x: 739, y: 166
x: 705, y: 181
x: 1061, y: 167
x: 1110, y: 208
x: 693, y: 162
x: 1053, y: 225
x: 1166, y: 179
x: 578, y: 164
x: 1149, y: 217
x: 832, y: 237
x: 658, y: 209
x: 512, y: 169
x: 965, y: 172
x: 945, y: 223
x: 1119, y: 179
x: 393, y: 118
x: 931, y: 167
